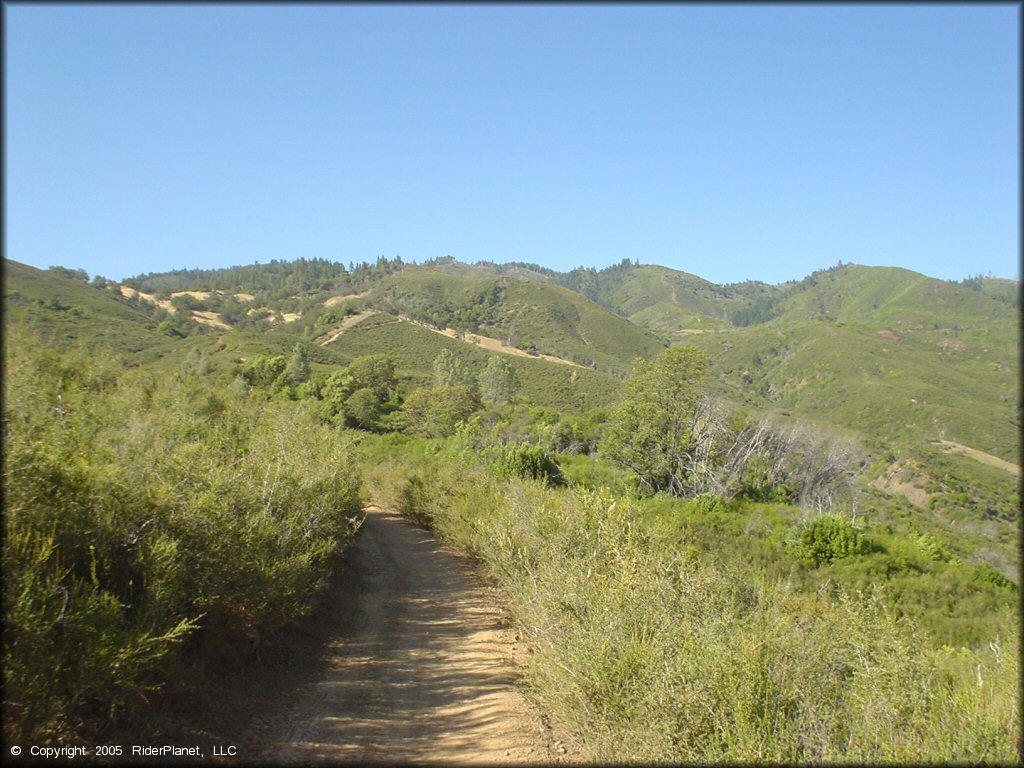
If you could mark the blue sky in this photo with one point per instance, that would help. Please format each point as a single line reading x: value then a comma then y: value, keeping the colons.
x: 733, y: 142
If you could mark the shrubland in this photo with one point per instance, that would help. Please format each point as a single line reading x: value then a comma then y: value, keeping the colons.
x: 697, y: 582
x: 654, y: 640
x: 150, y: 519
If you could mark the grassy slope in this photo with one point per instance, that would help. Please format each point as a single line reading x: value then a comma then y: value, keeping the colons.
x: 898, y: 356
x: 903, y: 360
x: 569, y: 389
x: 67, y: 310
x: 669, y: 301
x: 552, y: 319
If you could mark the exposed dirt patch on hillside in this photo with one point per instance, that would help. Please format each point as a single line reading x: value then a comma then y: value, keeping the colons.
x: 492, y: 344
x: 985, y: 458
x: 200, y: 295
x: 130, y: 292
x: 901, y: 480
x: 344, y: 325
x: 211, y: 319
x: 338, y: 299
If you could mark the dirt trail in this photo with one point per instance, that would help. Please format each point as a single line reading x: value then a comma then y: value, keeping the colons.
x: 494, y: 345
x: 344, y: 325
x: 985, y: 458
x: 420, y: 670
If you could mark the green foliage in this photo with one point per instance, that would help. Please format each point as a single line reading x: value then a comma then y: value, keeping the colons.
x: 435, y: 411
x: 569, y: 389
x: 450, y: 370
x: 142, y: 512
x: 985, y: 573
x: 375, y: 372
x: 263, y: 371
x: 298, y: 366
x: 363, y: 408
x: 655, y: 650
x: 650, y: 431
x: 529, y: 461
x: 498, y: 381
x: 827, y: 538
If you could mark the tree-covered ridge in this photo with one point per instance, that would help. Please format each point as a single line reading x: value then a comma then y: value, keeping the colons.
x: 277, y: 278
x: 715, y: 456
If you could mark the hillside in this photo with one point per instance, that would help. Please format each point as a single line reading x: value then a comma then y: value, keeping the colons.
x: 543, y: 319
x: 64, y: 308
x: 178, y: 450
x: 567, y: 389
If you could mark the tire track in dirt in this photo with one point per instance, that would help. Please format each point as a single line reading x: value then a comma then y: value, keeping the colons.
x: 420, y: 670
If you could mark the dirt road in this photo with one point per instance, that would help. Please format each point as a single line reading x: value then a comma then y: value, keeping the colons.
x: 420, y: 669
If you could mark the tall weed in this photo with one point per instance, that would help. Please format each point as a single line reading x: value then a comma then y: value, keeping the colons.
x: 650, y: 652
x: 144, y: 514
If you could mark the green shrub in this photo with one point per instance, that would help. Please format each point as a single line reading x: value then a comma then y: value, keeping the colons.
x: 985, y: 573
x: 528, y: 461
x: 826, y: 539
x: 142, y: 513
x: 660, y: 653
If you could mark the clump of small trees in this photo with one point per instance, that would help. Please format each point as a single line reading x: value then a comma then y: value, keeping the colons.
x: 678, y: 439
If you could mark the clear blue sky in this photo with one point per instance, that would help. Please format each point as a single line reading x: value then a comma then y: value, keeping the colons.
x: 734, y: 142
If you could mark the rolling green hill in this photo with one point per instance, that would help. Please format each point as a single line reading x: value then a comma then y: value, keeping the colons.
x: 569, y: 389
x: 64, y: 309
x: 902, y: 360
x: 544, y: 319
x: 179, y: 403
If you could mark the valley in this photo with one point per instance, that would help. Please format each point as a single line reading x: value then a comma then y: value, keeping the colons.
x: 843, y: 485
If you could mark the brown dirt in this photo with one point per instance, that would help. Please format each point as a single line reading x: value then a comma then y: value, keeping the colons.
x: 421, y: 669
x: 211, y: 319
x: 344, y: 325
x: 408, y: 659
x: 985, y: 458
x: 338, y: 299
x: 900, y: 479
x: 488, y: 343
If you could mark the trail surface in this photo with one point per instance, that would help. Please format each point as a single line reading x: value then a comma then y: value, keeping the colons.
x: 420, y: 669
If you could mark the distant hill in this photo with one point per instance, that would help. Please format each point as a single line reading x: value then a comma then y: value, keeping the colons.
x: 542, y: 318
x: 924, y: 371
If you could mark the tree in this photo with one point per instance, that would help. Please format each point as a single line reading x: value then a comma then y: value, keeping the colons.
x: 363, y: 408
x: 652, y: 429
x: 436, y: 411
x: 298, y: 366
x: 376, y: 372
x: 452, y: 371
x: 498, y: 382
x: 263, y: 371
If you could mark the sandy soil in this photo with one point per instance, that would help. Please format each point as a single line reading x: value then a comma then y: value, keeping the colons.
x: 211, y: 319
x: 345, y: 324
x: 338, y: 299
x: 488, y: 343
x: 985, y: 458
x: 408, y: 659
x: 421, y: 670
x: 904, y: 479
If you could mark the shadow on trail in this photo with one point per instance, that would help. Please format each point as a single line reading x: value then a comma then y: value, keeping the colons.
x: 418, y: 670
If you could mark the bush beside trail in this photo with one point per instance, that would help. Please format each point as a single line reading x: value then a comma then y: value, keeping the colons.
x: 144, y: 517
x: 665, y: 653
